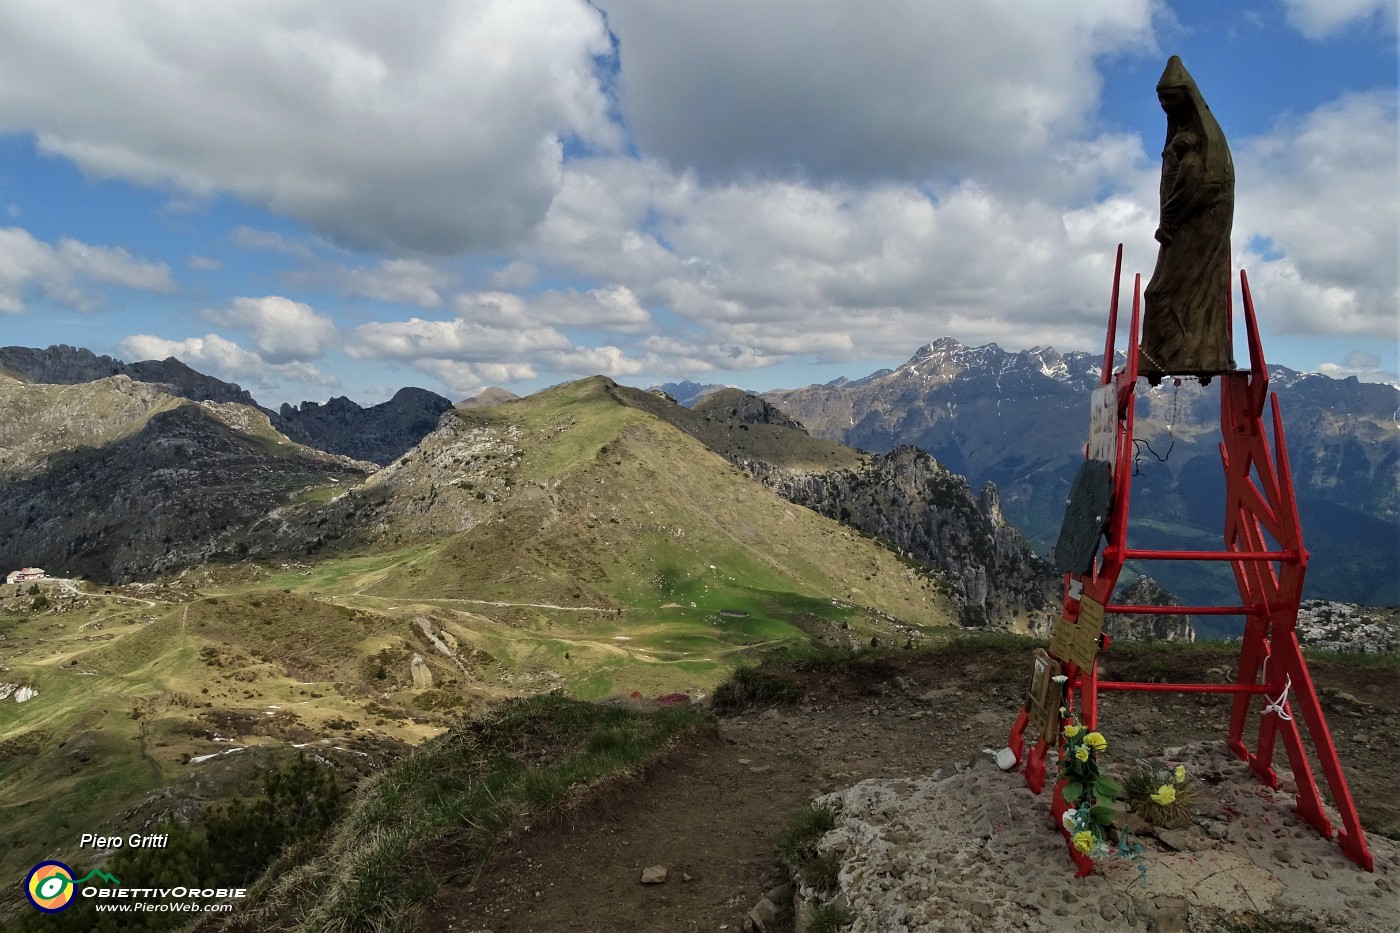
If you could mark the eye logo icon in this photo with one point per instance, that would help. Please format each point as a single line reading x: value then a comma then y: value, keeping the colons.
x: 49, y: 886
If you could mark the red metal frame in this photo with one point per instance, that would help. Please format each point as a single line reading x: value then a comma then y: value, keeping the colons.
x: 1264, y: 545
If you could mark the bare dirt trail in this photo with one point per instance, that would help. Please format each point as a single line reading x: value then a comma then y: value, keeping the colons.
x: 710, y: 813
x: 432, y: 600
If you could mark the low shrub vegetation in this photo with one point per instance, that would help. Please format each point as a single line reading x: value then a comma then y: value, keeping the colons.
x: 797, y: 848
x: 754, y: 685
x: 450, y: 802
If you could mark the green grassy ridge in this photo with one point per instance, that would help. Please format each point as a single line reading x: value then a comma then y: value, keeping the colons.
x: 633, y: 516
x: 628, y: 492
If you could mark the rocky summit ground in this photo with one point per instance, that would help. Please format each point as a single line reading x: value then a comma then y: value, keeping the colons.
x: 710, y: 812
x: 967, y: 849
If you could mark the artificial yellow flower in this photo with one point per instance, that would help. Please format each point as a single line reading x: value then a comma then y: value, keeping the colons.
x: 1096, y: 741
x: 1179, y: 773
x: 1083, y: 841
x: 1072, y: 730
x: 1081, y: 753
x: 1165, y: 794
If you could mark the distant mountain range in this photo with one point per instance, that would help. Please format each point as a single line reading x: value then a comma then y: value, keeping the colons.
x: 118, y: 479
x: 87, y: 441
x: 378, y: 434
x: 1020, y: 420
x: 65, y: 365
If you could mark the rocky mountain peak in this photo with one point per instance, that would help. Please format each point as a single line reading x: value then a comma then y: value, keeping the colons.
x: 1048, y: 360
x: 738, y: 407
x: 943, y: 346
x: 989, y: 504
x: 412, y: 395
x: 380, y: 434
x: 61, y: 364
x: 1145, y: 591
x: 946, y: 359
x: 940, y: 361
x: 487, y: 397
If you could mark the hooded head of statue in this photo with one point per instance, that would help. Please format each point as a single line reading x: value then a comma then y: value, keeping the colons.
x: 1187, y: 112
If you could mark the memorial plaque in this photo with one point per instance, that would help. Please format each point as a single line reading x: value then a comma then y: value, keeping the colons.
x: 1043, y: 704
x: 1086, y: 513
x: 1084, y: 648
x: 1103, y: 425
x: 1062, y: 638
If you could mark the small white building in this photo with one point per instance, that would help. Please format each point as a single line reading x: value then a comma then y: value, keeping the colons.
x: 26, y: 575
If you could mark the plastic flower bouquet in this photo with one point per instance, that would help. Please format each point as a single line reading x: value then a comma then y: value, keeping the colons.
x: 1086, y: 796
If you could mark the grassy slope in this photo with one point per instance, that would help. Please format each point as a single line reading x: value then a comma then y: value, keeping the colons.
x: 128, y: 692
x: 451, y: 802
x: 672, y: 566
x: 615, y: 510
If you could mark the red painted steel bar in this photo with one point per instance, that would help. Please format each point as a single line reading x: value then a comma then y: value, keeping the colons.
x: 1180, y: 610
x: 1181, y: 688
x: 1106, y: 373
x: 1260, y: 555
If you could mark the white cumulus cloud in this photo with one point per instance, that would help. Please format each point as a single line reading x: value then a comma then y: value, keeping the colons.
x: 591, y: 361
x: 220, y: 357
x: 64, y: 274
x: 1362, y: 364
x: 432, y: 127
x: 458, y: 339
x: 902, y: 89
x: 467, y: 379
x: 1321, y: 192
x: 283, y: 330
x: 400, y: 281
x: 1320, y: 19
x: 768, y: 270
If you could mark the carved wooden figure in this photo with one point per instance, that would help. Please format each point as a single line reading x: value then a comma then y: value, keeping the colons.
x: 1186, y: 327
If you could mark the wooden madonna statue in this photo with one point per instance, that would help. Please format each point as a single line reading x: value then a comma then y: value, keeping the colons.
x: 1186, y: 325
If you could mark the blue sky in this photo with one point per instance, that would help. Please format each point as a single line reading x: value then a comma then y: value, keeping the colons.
x: 341, y: 198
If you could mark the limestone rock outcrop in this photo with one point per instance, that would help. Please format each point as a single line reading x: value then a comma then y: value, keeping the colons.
x: 1145, y: 591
